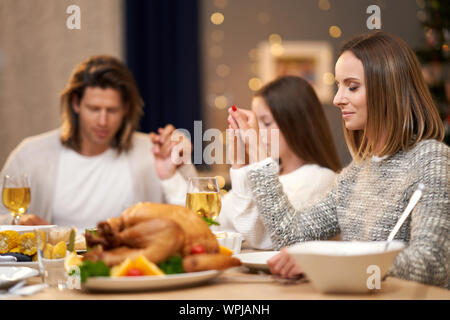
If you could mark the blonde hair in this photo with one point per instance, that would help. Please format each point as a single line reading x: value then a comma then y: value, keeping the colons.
x: 105, y: 72
x: 400, y: 108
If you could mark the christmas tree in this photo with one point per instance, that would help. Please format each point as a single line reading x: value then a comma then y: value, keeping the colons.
x: 435, y: 55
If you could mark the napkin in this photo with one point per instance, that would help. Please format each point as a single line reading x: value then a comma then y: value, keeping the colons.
x: 8, y: 259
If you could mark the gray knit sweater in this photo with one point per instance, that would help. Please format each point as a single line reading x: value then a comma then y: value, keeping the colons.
x: 365, y: 203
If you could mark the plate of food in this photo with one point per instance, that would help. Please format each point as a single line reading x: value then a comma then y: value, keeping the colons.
x: 138, y: 283
x: 18, y: 243
x: 151, y: 246
x: 20, y: 228
x: 256, y: 260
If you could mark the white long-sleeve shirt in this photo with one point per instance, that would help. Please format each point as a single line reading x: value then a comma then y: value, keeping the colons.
x: 97, y: 188
x: 240, y: 214
x: 137, y: 180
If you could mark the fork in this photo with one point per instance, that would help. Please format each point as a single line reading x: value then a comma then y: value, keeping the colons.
x: 267, y: 277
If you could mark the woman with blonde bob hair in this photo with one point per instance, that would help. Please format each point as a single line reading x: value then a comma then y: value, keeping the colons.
x: 394, y: 133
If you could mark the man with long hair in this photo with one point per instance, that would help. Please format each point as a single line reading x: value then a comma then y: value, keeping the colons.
x: 96, y: 164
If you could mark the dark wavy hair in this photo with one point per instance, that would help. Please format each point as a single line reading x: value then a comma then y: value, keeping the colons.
x: 102, y: 71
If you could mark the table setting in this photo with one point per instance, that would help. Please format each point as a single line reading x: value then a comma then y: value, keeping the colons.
x: 189, y: 261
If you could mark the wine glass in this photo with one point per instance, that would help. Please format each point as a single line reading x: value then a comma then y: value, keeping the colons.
x: 203, y: 197
x: 16, y: 195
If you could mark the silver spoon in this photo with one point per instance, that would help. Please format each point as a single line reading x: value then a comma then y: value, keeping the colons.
x: 412, y: 203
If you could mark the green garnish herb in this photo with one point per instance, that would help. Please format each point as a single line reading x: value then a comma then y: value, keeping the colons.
x: 71, y: 245
x: 93, y: 231
x: 172, y: 265
x: 210, y: 221
x: 92, y: 269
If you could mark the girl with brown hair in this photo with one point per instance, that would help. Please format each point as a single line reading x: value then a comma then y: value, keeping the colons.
x: 289, y: 108
x: 394, y: 133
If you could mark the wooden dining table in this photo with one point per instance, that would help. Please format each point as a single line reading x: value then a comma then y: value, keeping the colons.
x: 231, y: 286
x: 244, y: 284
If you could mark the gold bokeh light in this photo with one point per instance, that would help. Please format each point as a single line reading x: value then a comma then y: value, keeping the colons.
x: 263, y: 17
x: 223, y: 70
x: 253, y: 54
x: 275, y: 38
x: 335, y: 32
x: 276, y: 49
x: 254, y: 84
x: 221, y: 102
x: 217, y: 35
x: 324, y: 5
x: 328, y: 78
x: 215, y: 52
x: 217, y: 18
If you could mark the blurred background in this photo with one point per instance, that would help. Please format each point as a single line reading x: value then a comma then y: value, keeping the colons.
x: 193, y: 59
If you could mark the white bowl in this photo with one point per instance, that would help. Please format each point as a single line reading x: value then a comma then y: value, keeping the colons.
x: 231, y: 240
x: 345, y: 266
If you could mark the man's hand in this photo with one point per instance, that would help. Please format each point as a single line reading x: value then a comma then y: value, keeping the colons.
x: 32, y: 220
x: 169, y: 150
x: 284, y: 265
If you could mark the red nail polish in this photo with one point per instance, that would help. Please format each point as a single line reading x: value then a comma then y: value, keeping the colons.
x: 233, y: 107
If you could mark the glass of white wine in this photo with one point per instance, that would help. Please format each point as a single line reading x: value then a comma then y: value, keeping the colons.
x: 203, y: 197
x: 16, y: 195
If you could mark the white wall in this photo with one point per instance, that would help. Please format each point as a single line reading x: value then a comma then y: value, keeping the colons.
x: 37, y: 55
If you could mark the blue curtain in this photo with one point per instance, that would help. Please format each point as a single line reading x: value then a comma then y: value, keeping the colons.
x: 163, y: 53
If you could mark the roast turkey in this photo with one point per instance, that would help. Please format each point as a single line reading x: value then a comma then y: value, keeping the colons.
x: 156, y: 231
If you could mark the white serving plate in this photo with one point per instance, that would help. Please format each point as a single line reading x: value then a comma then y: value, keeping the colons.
x: 256, y: 260
x: 344, y: 266
x: 11, y: 275
x: 33, y: 264
x: 149, y: 282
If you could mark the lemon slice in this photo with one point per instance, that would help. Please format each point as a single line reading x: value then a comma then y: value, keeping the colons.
x: 148, y: 268
x: 220, y: 181
x: 72, y: 260
x: 122, y: 269
x: 226, y: 251
x: 48, y: 251
x: 59, y: 250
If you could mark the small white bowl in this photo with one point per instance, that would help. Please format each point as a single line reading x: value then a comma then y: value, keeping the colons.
x: 231, y: 240
x: 345, y: 266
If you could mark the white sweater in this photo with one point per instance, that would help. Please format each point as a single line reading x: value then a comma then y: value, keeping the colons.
x: 240, y: 214
x: 39, y: 157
